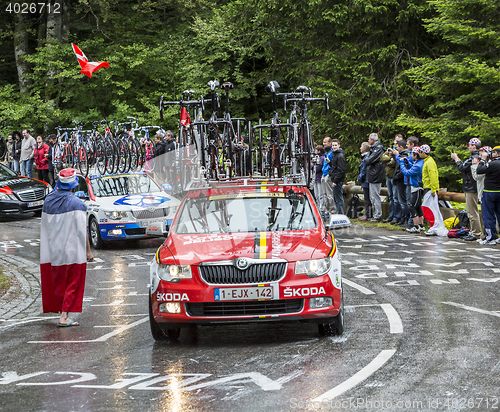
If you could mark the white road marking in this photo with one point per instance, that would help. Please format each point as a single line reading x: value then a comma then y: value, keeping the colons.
x: 21, y: 322
x: 133, y: 314
x: 117, y: 287
x: 362, y: 289
x: 473, y: 309
x: 395, y: 323
x: 114, y: 303
x: 103, y: 338
x: 492, y: 280
x: 357, y: 378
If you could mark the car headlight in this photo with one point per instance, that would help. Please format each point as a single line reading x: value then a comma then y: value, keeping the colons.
x: 5, y: 196
x: 174, y: 273
x: 115, y: 215
x: 313, y: 268
x: 49, y: 189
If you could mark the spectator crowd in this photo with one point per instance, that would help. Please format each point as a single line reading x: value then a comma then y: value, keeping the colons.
x: 411, y: 176
x: 407, y: 169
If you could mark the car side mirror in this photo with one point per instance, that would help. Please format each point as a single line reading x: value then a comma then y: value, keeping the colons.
x: 166, y: 187
x: 81, y: 194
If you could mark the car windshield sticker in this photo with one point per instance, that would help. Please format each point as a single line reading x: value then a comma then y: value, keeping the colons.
x: 244, y: 195
x: 148, y: 200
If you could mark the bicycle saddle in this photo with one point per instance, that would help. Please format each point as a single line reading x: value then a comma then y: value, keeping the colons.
x: 273, y: 86
x: 226, y: 86
x: 213, y: 84
x: 304, y: 89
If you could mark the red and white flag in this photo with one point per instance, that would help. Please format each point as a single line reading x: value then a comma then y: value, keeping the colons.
x: 185, y: 118
x: 430, y: 207
x: 87, y: 67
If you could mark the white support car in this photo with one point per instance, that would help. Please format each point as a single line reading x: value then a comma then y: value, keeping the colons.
x: 125, y: 206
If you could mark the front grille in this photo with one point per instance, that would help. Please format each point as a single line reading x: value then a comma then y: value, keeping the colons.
x: 32, y: 195
x: 136, y: 231
x: 244, y: 308
x: 255, y: 273
x: 151, y: 214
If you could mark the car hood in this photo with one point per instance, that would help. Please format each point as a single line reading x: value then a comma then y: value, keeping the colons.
x: 21, y: 183
x: 137, y: 201
x: 290, y: 245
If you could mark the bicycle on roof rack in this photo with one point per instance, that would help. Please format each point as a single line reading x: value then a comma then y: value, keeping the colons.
x: 275, y: 157
x: 300, y: 141
x: 187, y: 151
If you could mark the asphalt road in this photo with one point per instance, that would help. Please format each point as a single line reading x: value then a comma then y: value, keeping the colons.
x: 422, y: 327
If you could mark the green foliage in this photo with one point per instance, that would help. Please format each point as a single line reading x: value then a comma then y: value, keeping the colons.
x: 423, y: 67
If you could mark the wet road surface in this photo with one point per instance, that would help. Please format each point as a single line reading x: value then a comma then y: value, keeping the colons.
x: 422, y: 327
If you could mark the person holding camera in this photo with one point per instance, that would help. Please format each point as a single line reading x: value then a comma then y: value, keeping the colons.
x: 469, y: 187
x: 491, y: 192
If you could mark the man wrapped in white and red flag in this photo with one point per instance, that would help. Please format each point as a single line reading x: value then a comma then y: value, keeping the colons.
x: 64, y: 249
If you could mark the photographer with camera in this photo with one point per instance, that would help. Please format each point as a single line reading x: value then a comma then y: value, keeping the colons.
x: 469, y: 187
x: 490, y: 205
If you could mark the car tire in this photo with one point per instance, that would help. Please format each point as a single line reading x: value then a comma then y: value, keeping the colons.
x: 336, y: 328
x: 38, y: 213
x: 95, y: 234
x: 173, y: 334
x: 156, y: 331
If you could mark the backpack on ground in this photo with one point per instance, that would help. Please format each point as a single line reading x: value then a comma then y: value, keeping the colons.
x: 461, y: 221
x: 353, y: 207
x: 458, y: 233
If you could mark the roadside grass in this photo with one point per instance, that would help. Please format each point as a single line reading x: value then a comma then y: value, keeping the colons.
x: 4, y: 281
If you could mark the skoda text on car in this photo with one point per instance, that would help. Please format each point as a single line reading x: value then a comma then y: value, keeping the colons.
x: 124, y: 206
x: 19, y: 194
x: 246, y: 251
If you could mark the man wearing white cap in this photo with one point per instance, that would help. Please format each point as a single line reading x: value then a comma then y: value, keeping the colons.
x: 64, y: 249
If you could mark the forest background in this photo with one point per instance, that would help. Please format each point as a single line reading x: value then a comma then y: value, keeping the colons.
x: 428, y: 68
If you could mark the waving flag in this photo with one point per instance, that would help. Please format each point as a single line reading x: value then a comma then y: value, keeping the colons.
x: 185, y: 118
x: 63, y: 258
x: 87, y: 67
x: 430, y: 207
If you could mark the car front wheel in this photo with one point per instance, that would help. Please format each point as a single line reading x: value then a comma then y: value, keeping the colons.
x: 336, y: 328
x: 156, y: 331
x: 95, y: 234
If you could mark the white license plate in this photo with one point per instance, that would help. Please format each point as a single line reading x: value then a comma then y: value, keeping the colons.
x: 260, y: 292
x: 146, y: 223
x: 37, y: 203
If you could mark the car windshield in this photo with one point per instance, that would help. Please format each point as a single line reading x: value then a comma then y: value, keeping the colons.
x: 122, y: 185
x: 6, y: 173
x: 246, y: 213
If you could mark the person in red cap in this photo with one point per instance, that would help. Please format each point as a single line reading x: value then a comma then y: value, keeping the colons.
x: 64, y: 249
x: 430, y: 182
x: 470, y: 188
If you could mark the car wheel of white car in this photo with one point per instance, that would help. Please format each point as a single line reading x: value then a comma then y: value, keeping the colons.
x: 95, y: 234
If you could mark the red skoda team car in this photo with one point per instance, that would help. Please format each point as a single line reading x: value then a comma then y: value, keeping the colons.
x: 246, y: 251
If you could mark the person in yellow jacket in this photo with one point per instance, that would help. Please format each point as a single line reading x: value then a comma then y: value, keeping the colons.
x: 430, y: 182
x: 430, y: 174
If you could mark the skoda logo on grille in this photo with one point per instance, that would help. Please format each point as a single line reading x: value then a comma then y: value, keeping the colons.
x: 151, y: 209
x: 242, y: 263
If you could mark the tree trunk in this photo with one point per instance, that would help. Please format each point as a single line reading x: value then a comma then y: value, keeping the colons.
x: 20, y: 50
x: 54, y: 36
x: 65, y: 21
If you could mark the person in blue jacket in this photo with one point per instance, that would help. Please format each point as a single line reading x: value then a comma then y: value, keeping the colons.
x: 413, y: 171
x: 364, y: 149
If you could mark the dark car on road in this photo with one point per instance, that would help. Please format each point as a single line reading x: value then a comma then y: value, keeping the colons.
x: 19, y: 194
